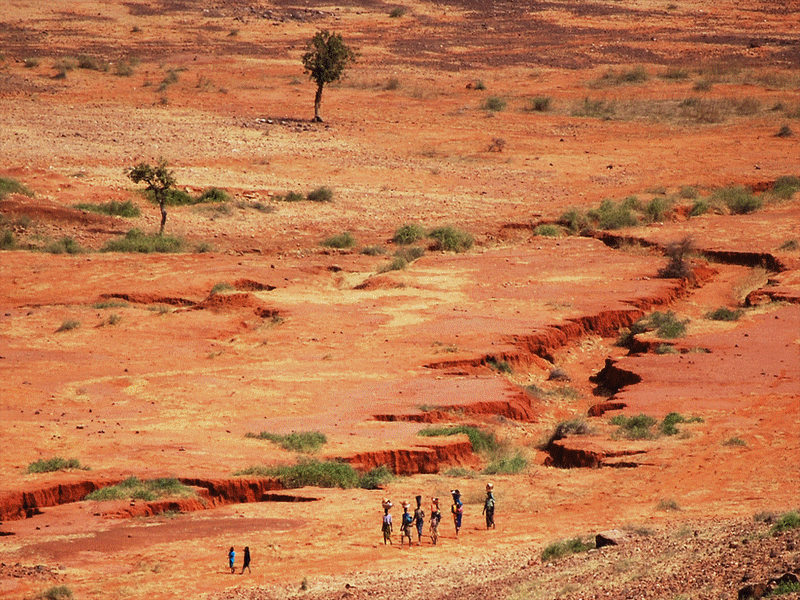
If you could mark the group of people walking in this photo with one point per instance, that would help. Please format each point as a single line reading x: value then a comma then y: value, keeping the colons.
x: 245, y: 563
x: 409, y: 522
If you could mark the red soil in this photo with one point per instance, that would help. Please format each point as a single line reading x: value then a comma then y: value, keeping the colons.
x: 322, y: 339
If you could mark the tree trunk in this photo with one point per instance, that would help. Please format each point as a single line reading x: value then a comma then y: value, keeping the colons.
x: 163, y: 217
x: 317, y: 102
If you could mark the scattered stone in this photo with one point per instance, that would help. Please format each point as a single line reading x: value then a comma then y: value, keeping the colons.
x: 612, y: 537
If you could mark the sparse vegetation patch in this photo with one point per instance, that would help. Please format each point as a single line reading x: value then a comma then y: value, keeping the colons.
x: 342, y: 241
x: 56, y: 463
x: 148, y: 490
x: 112, y: 208
x: 138, y: 241
x: 327, y: 474
x: 451, y: 239
x: 557, y: 550
x: 300, y: 441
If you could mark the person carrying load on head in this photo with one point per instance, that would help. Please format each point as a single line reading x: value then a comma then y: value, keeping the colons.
x: 457, y: 508
x: 387, y: 521
x: 436, y: 517
x: 419, y: 519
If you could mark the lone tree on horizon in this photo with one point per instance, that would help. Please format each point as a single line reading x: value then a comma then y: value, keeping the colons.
x: 327, y: 58
x: 159, y: 180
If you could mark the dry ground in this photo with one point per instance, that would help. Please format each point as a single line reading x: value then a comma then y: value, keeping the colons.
x: 169, y: 381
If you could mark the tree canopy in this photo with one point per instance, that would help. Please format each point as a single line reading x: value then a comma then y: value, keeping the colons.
x: 325, y: 62
x: 159, y: 180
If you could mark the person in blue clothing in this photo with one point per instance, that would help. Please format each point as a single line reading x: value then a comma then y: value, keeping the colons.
x: 232, y: 559
x: 405, y: 527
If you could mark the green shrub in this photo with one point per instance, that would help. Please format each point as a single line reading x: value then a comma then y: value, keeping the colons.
x: 124, y: 68
x: 784, y: 132
x: 300, y: 441
x: 636, y: 74
x: 738, y: 199
x: 459, y: 472
x: 397, y: 12
x: 91, y: 63
x: 724, y: 314
x: 598, y: 109
x: 668, y: 505
x: 68, y: 325
x: 507, y: 464
x: 479, y: 85
x: 494, y: 104
x: 221, y: 287
x: 687, y: 192
x: 558, y: 550
x: 291, y: 196
x: 397, y: 264
x: 615, y: 216
x: 321, y: 194
x: 734, y: 441
x: 326, y: 474
x: 785, y: 587
x: 58, y: 592
x: 213, y: 194
x: 546, y: 230
x: 667, y: 325
x: 172, y: 197
x: 676, y: 73
x: 65, y: 245
x: 110, y: 304
x: 374, y: 250
x: 575, y: 221
x: 12, y: 186
x: 482, y: 441
x: 789, y: 245
x: 662, y: 349
x: 408, y: 234
x: 138, y: 241
x: 374, y: 479
x: 31, y: 62
x: 786, y: 186
x: 634, y: 428
x: 342, y: 240
x: 700, y: 207
x: 501, y: 366
x: 8, y: 241
x: 54, y: 464
x: 113, y: 208
x: 657, y: 210
x: 540, y: 104
x: 450, y: 239
x: 410, y: 254
x: 787, y: 521
x: 670, y: 422
x: 148, y: 490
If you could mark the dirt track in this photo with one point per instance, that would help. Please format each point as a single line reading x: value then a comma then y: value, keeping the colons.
x: 319, y: 339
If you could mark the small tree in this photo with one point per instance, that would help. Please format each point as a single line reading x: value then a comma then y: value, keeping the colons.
x: 159, y: 180
x: 327, y: 58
